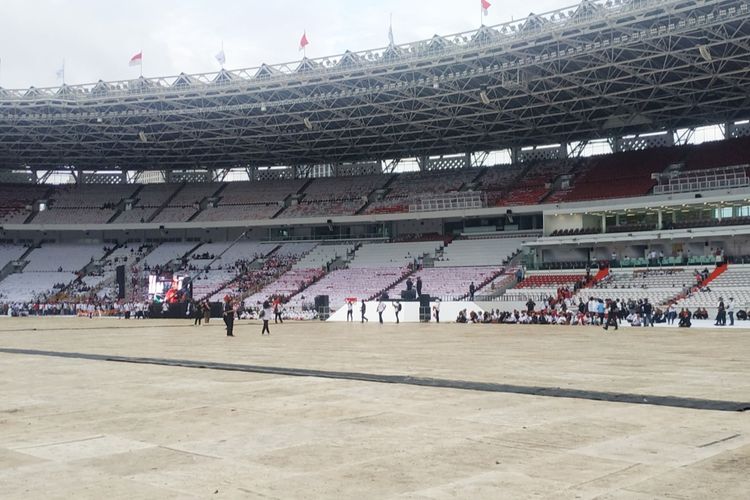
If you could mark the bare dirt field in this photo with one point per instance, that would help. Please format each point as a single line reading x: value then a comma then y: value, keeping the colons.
x: 109, y: 408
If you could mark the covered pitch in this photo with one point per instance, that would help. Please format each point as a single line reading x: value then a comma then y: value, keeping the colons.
x: 319, y: 410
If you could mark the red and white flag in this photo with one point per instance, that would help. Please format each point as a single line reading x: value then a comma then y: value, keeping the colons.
x: 137, y: 59
x: 486, y: 7
x: 303, y: 42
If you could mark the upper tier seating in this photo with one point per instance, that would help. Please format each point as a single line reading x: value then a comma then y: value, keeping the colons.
x: 335, y: 196
x: 392, y: 254
x: 15, y: 200
x: 148, y: 201
x: 84, y: 203
x: 186, y: 202
x: 484, y: 251
x: 532, y: 186
x: 717, y: 154
x: 621, y: 175
x: 409, y: 186
x: 251, y: 200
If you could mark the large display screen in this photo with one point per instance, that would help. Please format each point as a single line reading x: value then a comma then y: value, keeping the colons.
x: 166, y: 287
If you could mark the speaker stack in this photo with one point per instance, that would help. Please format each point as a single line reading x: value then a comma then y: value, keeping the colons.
x: 120, y: 270
x: 424, y: 308
x: 322, y: 307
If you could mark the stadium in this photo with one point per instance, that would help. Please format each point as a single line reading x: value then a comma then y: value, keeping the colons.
x: 442, y: 236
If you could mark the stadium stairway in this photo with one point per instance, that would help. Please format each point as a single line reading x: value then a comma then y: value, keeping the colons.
x: 121, y: 205
x: 204, y: 202
x: 166, y: 202
x: 603, y: 273
x: 718, y: 271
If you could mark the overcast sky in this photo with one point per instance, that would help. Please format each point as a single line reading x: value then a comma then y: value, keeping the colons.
x: 97, y: 37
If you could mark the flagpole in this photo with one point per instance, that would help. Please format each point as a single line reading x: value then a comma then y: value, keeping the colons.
x: 223, y: 55
x: 304, y: 47
x: 141, y: 65
x: 63, y: 74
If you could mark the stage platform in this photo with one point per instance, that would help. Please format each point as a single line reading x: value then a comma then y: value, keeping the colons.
x: 108, y: 408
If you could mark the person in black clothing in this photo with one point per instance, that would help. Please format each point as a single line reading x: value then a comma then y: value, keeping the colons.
x: 612, y: 316
x: 721, y: 315
x: 648, y: 310
x: 362, y: 311
x: 409, y: 284
x: 229, y: 315
x: 197, y: 313
x: 684, y: 318
x: 472, y: 289
x: 530, y: 306
x: 397, y: 309
x: 419, y: 286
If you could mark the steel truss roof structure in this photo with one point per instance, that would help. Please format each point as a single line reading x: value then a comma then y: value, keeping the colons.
x: 594, y: 70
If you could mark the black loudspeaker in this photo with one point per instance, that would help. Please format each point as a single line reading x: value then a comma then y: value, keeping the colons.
x: 409, y: 294
x: 424, y: 308
x: 120, y: 282
x: 322, y: 307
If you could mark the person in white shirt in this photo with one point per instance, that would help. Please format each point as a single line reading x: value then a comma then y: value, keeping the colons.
x: 380, y: 309
x: 267, y: 312
x: 397, y: 309
x: 349, y: 311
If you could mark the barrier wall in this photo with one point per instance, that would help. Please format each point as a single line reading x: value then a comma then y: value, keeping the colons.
x: 409, y: 311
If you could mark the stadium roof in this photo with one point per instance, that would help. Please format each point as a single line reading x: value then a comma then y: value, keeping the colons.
x: 593, y: 70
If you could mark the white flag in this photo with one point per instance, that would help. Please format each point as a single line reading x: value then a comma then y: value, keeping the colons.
x: 61, y: 72
x: 221, y: 58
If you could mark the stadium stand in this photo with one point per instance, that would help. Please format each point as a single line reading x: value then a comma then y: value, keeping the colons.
x: 324, y: 254
x: 62, y: 257
x: 148, y: 200
x: 84, y: 203
x: 732, y: 283
x: 342, y: 284
x: 404, y: 188
x: 16, y: 201
x: 452, y: 283
x: 10, y: 253
x: 393, y: 254
x: 167, y: 252
x: 478, y: 251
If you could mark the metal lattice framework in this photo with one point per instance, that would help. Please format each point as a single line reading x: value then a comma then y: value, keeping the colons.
x: 594, y: 70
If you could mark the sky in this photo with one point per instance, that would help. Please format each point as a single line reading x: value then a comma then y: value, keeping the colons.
x: 97, y: 38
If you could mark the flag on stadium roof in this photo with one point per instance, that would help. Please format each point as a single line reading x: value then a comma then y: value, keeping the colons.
x: 486, y: 7
x: 303, y: 42
x: 221, y: 58
x: 137, y: 59
x: 61, y: 72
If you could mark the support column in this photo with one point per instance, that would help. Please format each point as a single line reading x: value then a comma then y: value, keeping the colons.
x: 604, y: 223
x: 659, y: 217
